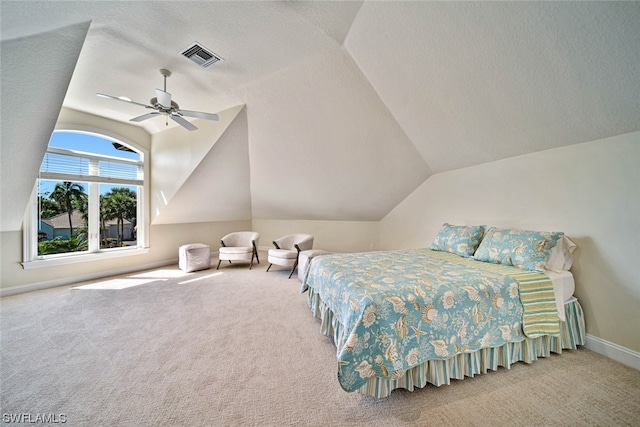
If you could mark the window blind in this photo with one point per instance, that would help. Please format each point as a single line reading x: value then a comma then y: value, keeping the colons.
x: 70, y: 165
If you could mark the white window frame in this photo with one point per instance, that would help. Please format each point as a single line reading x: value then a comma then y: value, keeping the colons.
x: 31, y: 259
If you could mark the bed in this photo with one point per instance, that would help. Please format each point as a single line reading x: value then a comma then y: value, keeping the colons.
x: 405, y: 318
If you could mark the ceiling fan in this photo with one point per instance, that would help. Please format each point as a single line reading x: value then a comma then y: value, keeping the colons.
x: 163, y: 105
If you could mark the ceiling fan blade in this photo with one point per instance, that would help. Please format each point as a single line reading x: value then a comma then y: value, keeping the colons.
x: 145, y: 117
x: 198, y: 114
x: 164, y: 98
x: 122, y: 98
x: 182, y: 122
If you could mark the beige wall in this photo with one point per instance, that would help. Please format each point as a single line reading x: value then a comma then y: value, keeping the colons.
x: 334, y: 236
x: 591, y: 191
x: 338, y: 236
x: 164, y: 243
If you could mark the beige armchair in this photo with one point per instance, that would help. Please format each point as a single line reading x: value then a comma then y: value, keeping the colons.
x: 239, y: 246
x: 287, y: 249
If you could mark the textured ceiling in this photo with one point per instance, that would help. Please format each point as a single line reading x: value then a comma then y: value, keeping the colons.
x: 472, y: 82
x: 128, y: 43
x: 349, y: 105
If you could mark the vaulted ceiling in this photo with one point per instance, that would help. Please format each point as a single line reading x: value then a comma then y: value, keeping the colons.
x: 348, y: 105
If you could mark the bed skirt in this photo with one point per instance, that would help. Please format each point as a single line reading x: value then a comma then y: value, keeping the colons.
x: 440, y: 372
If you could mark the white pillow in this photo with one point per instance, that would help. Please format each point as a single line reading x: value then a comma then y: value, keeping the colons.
x: 560, y: 257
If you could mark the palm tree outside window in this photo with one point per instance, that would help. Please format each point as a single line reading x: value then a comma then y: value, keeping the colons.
x: 89, y: 197
x: 66, y: 195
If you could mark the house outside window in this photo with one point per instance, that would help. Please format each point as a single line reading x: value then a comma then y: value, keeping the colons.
x: 89, y: 199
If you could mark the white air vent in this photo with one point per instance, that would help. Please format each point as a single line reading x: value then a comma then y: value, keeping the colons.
x: 201, y: 55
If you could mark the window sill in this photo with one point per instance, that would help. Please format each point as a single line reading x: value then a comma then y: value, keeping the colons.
x: 73, y: 259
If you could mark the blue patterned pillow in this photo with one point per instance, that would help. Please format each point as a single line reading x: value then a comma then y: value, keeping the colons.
x: 458, y: 239
x: 520, y: 248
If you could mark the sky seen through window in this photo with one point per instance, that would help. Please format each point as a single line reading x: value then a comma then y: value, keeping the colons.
x: 86, y: 143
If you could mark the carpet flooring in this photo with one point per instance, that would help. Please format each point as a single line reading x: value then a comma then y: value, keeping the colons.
x: 236, y: 347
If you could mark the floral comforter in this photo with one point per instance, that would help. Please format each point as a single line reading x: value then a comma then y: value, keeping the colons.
x: 396, y: 309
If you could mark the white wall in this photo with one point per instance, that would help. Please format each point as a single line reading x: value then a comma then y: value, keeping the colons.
x: 202, y: 176
x: 591, y: 191
x: 32, y: 90
x: 322, y: 145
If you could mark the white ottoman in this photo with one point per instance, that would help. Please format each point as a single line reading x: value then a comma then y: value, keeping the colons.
x: 304, y: 260
x: 193, y: 257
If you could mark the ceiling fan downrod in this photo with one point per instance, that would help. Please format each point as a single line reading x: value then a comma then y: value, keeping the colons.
x: 165, y: 73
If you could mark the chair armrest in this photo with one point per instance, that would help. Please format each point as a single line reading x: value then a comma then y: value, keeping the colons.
x: 306, y: 244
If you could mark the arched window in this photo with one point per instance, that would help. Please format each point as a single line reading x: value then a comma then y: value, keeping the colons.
x: 88, y: 199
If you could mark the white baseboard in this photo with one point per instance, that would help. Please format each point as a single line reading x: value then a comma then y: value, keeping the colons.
x: 14, y: 290
x: 613, y: 351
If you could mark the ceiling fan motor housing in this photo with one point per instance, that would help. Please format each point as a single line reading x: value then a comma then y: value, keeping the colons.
x: 154, y: 102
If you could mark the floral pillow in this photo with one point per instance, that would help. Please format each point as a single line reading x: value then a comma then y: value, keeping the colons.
x: 520, y: 248
x: 458, y: 239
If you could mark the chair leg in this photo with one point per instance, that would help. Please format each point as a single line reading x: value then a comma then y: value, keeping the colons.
x: 218, y: 267
x: 269, y: 267
x: 294, y: 268
x: 255, y: 251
